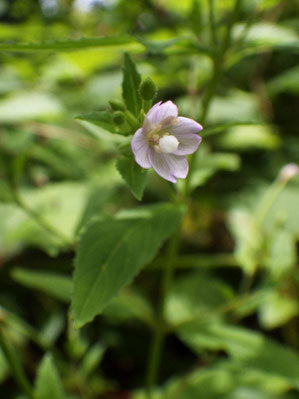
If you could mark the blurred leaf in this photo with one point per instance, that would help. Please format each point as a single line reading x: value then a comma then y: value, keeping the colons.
x: 209, y: 163
x: 283, y: 253
x: 4, y: 367
x: 55, y: 285
x: 129, y: 304
x: 223, y: 109
x: 249, y: 240
x: 285, y: 82
x: 196, y: 16
x: 277, y: 309
x: 266, y: 33
x: 248, y: 349
x: 194, y: 294
x: 285, y: 210
x: 92, y: 359
x: 108, y: 140
x: 112, y: 251
x: 250, y: 137
x: 53, y: 327
x: 130, y: 86
x: 133, y: 174
x: 48, y: 384
x: 101, y: 118
x: 29, y: 106
x: 68, y: 44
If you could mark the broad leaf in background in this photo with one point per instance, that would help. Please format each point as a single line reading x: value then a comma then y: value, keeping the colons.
x: 48, y: 384
x: 133, y: 175
x: 68, y: 44
x: 277, y: 308
x: 112, y: 251
x: 249, y: 137
x: 56, y: 285
x: 130, y: 86
x: 30, y: 105
x: 286, y: 82
x: 248, y: 349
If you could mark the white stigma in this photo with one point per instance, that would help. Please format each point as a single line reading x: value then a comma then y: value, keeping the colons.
x: 168, y: 144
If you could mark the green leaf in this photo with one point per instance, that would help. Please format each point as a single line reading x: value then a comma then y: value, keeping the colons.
x: 22, y: 107
x: 112, y: 252
x: 130, y: 86
x: 194, y: 295
x: 287, y: 82
x: 277, y: 309
x: 94, y: 205
x: 248, y: 137
x: 55, y: 285
x: 48, y: 384
x: 101, y: 118
x: 70, y: 44
x: 247, y: 349
x: 133, y: 175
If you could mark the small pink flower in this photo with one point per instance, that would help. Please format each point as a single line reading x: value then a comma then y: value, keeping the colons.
x: 164, y: 140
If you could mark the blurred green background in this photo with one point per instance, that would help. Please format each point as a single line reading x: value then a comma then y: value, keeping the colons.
x: 233, y: 310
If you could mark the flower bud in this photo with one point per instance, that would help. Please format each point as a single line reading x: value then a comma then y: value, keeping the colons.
x: 117, y: 105
x: 147, y: 89
x: 118, y: 117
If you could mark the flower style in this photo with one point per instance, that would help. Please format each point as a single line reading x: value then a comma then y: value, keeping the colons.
x: 164, y: 140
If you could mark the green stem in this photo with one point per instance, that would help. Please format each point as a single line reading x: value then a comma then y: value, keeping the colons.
x: 268, y: 200
x: 211, y: 6
x: 38, y: 219
x: 131, y: 119
x: 156, y: 348
x: 218, y: 62
x: 16, y: 368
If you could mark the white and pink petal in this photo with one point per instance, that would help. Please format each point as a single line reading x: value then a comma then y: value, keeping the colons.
x: 168, y: 166
x: 140, y: 148
x: 159, y: 112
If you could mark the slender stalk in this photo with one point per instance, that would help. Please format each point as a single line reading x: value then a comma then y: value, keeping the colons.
x: 156, y: 348
x: 211, y: 6
x: 268, y: 200
x: 218, y: 62
x: 16, y: 368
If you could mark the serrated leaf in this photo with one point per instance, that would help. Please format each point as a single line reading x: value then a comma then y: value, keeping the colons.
x: 100, y: 118
x: 53, y: 284
x: 112, y: 252
x: 133, y: 175
x: 130, y: 86
x: 48, y: 384
x: 70, y: 44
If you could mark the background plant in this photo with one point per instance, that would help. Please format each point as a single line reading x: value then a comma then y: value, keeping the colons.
x: 99, y: 258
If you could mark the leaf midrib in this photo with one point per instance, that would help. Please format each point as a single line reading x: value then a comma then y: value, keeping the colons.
x: 105, y: 264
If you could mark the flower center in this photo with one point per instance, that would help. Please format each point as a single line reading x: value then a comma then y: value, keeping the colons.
x: 168, y: 144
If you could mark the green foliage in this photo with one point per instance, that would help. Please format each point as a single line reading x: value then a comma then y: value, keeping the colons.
x: 218, y: 252
x: 48, y: 384
x: 130, y: 86
x: 133, y: 175
x: 112, y: 252
x: 54, y: 285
